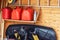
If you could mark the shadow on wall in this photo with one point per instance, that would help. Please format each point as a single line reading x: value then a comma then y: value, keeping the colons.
x: 40, y: 14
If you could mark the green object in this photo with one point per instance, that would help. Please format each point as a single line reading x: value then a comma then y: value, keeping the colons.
x: 11, y: 1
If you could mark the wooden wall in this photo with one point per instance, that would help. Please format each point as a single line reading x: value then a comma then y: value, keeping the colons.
x: 49, y: 16
x: 0, y: 4
x: 0, y: 15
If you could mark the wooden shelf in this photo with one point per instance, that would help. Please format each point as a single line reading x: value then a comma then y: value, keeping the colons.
x: 32, y: 6
x: 19, y: 21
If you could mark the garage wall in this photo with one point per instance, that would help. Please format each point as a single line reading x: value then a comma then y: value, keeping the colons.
x: 49, y: 16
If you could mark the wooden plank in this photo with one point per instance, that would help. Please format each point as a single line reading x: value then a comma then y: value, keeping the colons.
x: 0, y: 25
x: 43, y: 2
x: 34, y: 2
x: 3, y: 3
x: 24, y: 2
x: 53, y: 2
x: 2, y: 29
x: 18, y: 21
x: 0, y: 4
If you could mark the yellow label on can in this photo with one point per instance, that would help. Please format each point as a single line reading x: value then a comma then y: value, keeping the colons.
x: 35, y: 37
x: 17, y: 36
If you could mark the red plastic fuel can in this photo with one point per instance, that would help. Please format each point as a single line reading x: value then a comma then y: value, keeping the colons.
x: 6, y: 13
x: 28, y: 14
x: 16, y: 13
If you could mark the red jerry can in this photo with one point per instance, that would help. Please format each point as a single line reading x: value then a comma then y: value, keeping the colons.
x: 6, y: 13
x: 28, y: 14
x: 16, y: 13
